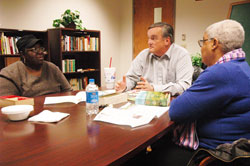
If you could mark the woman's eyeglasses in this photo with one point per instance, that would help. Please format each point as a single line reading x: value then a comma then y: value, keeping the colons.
x: 201, y: 42
x: 37, y: 50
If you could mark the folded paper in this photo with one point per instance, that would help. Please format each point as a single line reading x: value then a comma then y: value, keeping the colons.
x: 48, y: 116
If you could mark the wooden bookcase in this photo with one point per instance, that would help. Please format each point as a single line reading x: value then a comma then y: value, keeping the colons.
x: 9, y: 57
x: 77, y: 53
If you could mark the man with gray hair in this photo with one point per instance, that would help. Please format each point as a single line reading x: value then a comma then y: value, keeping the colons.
x: 163, y: 67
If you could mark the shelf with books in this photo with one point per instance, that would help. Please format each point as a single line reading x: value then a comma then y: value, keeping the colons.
x: 76, y: 53
x: 8, y: 50
x: 78, y: 83
x: 81, y: 71
x: 79, y: 43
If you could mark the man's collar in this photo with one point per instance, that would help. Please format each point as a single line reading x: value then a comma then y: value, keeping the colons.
x: 167, y: 53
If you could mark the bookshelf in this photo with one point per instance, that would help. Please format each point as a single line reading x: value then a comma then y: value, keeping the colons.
x: 8, y: 51
x: 77, y: 54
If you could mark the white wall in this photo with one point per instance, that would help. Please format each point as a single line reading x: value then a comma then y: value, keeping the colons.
x: 192, y: 18
x: 126, y: 37
x: 112, y: 17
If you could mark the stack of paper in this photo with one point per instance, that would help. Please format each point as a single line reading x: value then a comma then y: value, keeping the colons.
x: 134, y: 115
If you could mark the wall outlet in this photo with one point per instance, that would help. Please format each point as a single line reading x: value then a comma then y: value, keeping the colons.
x: 183, y: 37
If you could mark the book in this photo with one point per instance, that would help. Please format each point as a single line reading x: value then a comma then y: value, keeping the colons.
x: 152, y: 98
x: 105, y: 97
x: 131, y: 115
x: 15, y: 100
x: 74, y: 84
x: 113, y: 98
x: 10, y: 44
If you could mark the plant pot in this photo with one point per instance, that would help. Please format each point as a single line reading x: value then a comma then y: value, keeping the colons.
x: 72, y: 25
x: 197, y: 71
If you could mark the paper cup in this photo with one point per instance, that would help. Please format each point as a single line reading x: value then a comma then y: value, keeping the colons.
x: 109, y: 74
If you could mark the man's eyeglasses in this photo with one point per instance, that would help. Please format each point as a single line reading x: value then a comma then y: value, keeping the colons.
x: 201, y: 42
x: 37, y: 50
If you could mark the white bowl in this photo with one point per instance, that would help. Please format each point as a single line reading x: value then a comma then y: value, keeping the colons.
x: 17, y: 112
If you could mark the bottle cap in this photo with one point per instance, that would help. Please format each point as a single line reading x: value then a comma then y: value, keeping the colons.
x: 91, y: 80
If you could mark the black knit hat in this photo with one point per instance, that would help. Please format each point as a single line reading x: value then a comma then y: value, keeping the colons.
x: 27, y: 41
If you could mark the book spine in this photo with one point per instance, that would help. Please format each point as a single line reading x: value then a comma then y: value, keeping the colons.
x: 62, y: 43
x: 10, y: 45
x: 63, y: 66
x: 1, y: 44
x: 74, y: 65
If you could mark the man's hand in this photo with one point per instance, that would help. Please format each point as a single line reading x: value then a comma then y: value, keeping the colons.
x: 120, y: 86
x: 144, y: 85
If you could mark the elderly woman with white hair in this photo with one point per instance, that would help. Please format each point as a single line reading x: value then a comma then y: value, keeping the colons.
x: 218, y: 101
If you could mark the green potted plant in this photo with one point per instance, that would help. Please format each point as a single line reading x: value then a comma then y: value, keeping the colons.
x: 69, y: 19
x: 197, y: 64
x: 196, y: 59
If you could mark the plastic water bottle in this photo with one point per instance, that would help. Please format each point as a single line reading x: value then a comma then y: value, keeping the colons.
x: 92, y: 98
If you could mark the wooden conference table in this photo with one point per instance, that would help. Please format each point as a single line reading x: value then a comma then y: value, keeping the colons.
x: 76, y: 140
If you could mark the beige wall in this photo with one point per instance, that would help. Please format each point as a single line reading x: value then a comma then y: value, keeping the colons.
x: 114, y: 19
x: 192, y: 18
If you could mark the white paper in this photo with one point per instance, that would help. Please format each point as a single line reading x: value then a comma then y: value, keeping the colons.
x: 106, y: 92
x: 48, y: 116
x: 133, y: 116
x: 125, y: 106
x: 79, y: 97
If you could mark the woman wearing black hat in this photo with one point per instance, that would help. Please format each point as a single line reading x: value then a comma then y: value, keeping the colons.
x: 32, y: 76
